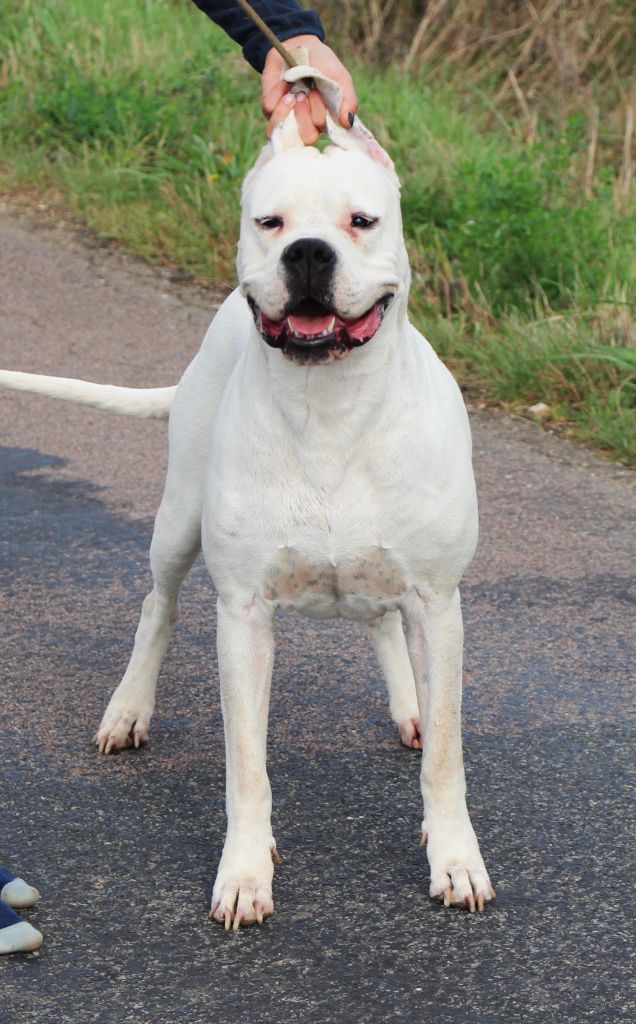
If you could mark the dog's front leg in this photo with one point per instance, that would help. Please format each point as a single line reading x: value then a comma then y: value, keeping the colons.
x: 243, y: 888
x: 434, y: 636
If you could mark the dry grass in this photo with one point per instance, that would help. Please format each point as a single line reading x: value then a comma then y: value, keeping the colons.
x: 541, y: 60
x: 548, y: 44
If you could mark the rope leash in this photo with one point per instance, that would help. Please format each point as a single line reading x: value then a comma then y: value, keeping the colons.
x: 293, y: 60
x: 286, y: 54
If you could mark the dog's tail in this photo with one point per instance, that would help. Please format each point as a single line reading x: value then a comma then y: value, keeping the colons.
x: 143, y: 403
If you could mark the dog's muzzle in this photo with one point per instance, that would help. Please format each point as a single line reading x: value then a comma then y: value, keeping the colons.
x: 311, y: 330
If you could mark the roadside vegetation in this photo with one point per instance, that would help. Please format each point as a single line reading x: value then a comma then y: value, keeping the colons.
x: 511, y: 126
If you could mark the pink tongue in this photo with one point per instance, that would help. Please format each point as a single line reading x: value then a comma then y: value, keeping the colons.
x: 366, y: 326
x: 306, y: 326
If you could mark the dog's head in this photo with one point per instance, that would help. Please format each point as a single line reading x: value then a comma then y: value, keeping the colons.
x: 321, y: 258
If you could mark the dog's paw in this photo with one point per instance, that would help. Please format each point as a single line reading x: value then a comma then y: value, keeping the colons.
x: 411, y: 732
x: 123, y: 725
x: 242, y: 893
x: 458, y: 873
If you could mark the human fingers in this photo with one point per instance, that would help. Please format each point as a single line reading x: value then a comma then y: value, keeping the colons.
x: 349, y: 104
x: 272, y: 86
x: 318, y: 110
x: 280, y: 112
x: 304, y: 119
x: 273, y: 96
x: 307, y: 128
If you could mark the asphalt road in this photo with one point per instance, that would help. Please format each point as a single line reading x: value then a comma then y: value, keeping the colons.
x: 124, y: 848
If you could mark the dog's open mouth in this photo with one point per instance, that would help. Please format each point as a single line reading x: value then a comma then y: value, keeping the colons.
x: 312, y: 333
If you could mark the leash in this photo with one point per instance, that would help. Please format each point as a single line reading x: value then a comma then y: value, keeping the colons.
x: 286, y: 54
x: 296, y: 59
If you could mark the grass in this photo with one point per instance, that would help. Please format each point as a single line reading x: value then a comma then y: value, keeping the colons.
x: 139, y: 116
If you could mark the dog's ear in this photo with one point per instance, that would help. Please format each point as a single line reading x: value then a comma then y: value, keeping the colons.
x: 285, y: 136
x: 358, y: 136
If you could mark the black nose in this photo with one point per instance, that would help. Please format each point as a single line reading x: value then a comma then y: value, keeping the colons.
x: 309, y: 260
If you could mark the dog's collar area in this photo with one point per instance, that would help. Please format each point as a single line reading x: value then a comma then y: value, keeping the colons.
x: 313, y: 333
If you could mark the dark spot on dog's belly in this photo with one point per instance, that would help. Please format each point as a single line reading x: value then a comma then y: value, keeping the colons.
x: 371, y: 574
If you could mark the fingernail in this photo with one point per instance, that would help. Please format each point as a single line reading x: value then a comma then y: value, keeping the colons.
x: 301, y: 97
x: 350, y: 118
x: 288, y: 99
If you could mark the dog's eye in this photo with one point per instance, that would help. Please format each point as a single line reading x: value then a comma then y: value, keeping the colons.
x: 360, y: 220
x: 269, y: 223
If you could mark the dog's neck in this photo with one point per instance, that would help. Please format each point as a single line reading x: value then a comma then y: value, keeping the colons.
x: 329, y: 407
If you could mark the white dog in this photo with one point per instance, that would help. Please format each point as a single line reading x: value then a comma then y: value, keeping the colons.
x: 320, y: 455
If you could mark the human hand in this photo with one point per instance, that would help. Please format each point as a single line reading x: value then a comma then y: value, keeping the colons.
x: 277, y: 100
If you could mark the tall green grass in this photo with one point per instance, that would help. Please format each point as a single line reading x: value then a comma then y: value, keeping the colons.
x: 139, y: 116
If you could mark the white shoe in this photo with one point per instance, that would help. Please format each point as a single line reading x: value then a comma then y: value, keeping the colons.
x: 18, y: 893
x: 20, y: 938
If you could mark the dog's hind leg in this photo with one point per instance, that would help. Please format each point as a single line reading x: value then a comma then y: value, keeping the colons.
x: 390, y: 647
x: 175, y: 544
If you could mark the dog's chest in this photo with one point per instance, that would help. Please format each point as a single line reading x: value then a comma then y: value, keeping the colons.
x: 360, y: 585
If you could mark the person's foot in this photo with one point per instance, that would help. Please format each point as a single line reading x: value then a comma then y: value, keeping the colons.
x: 16, y: 935
x: 15, y: 891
